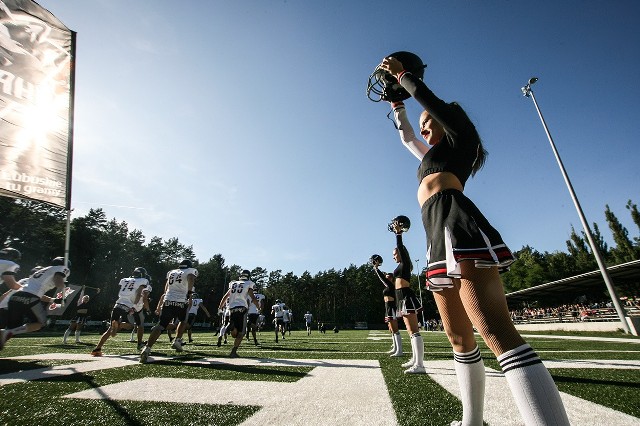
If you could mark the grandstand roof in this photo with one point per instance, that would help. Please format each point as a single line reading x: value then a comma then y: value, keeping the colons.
x: 623, y: 273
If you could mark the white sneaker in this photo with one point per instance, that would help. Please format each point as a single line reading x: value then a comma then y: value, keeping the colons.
x: 416, y: 369
x: 144, y: 355
x: 177, y: 345
x: 456, y: 423
x: 408, y: 363
x: 397, y: 354
x: 392, y: 350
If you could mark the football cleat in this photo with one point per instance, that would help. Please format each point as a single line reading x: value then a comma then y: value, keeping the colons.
x: 177, y: 345
x: 144, y: 354
x: 96, y: 352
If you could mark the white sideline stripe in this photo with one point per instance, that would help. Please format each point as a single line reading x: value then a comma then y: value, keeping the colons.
x: 347, y: 392
x: 593, y: 363
x: 586, y: 338
x: 500, y: 408
x: 90, y: 364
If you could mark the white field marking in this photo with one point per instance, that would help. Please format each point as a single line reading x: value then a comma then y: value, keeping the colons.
x: 500, y: 408
x: 609, y: 364
x: 347, y: 392
x: 89, y: 363
x: 596, y: 339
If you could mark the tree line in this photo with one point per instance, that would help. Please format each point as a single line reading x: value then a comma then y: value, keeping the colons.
x: 103, y: 251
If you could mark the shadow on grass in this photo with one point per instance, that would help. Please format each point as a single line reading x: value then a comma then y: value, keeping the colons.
x: 290, y: 349
x: 14, y: 366
x: 584, y: 381
x: 122, y: 412
x: 264, y: 371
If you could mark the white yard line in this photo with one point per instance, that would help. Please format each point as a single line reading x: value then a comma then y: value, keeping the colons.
x: 347, y: 392
x: 89, y: 364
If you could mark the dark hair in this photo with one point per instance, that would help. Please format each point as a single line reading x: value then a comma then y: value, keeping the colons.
x: 481, y: 154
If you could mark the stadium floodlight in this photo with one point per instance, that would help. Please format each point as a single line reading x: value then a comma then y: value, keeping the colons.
x: 527, y: 92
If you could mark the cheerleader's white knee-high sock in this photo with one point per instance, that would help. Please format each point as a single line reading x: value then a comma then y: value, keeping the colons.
x: 471, y: 379
x: 533, y: 389
x: 417, y: 345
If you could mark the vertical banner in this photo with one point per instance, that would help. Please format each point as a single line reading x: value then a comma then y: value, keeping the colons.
x: 36, y: 103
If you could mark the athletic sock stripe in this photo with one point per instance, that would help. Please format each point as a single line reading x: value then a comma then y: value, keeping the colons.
x: 516, y: 355
x: 521, y: 359
x: 522, y: 365
x: 468, y: 358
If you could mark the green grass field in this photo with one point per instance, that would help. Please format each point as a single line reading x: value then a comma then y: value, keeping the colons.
x: 202, y: 386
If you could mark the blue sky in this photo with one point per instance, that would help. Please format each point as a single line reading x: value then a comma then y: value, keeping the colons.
x: 242, y: 127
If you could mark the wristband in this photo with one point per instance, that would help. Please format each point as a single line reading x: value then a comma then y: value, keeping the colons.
x: 398, y: 104
x: 400, y: 74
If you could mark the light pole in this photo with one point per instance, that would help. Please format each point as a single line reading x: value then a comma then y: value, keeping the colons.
x: 420, y: 290
x: 527, y: 92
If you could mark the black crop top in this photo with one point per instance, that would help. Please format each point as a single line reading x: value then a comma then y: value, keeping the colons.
x: 389, y: 288
x: 458, y: 148
x: 403, y: 270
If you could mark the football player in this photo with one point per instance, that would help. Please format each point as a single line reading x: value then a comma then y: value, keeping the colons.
x: 177, y: 291
x: 308, y: 319
x: 9, y: 268
x: 277, y: 310
x: 26, y: 302
x: 253, y: 315
x: 194, y: 305
x: 240, y: 291
x: 130, y: 293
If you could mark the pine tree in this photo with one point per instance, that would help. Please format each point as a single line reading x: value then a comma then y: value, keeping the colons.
x: 624, y: 250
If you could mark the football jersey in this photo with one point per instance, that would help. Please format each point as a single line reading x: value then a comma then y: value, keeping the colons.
x: 179, y: 284
x: 41, y: 281
x: 128, y: 289
x: 278, y: 310
x: 195, y: 305
x: 308, y: 317
x: 286, y: 315
x: 138, y: 306
x: 238, y: 293
x: 4, y: 303
x: 8, y: 267
x: 252, y: 307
